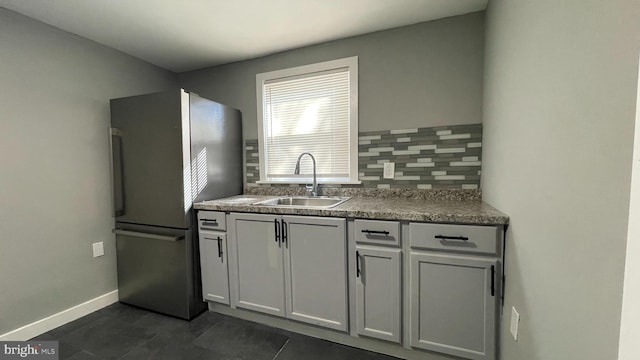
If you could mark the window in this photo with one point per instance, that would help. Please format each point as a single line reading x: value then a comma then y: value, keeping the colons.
x: 311, y: 108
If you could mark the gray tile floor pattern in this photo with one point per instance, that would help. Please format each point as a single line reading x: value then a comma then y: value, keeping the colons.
x: 124, y: 332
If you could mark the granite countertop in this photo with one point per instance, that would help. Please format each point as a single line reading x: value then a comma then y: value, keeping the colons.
x: 469, y: 212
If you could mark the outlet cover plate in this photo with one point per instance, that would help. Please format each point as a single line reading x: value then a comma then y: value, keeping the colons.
x: 515, y: 321
x: 98, y: 249
x: 389, y: 170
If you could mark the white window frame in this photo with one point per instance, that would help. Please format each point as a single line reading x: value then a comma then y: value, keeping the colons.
x: 352, y: 64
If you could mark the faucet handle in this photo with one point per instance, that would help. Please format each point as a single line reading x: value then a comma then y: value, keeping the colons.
x: 312, y: 190
x: 309, y: 188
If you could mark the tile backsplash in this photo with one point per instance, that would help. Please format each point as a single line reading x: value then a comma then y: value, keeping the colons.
x: 442, y: 157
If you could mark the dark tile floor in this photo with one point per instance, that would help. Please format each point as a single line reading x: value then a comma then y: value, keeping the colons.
x: 124, y: 332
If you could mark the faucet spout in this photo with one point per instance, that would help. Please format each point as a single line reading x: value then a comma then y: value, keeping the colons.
x: 314, y: 189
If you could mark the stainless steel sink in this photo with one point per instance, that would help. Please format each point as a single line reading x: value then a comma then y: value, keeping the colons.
x: 306, y: 202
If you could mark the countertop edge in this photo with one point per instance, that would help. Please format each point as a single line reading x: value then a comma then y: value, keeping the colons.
x: 485, y: 215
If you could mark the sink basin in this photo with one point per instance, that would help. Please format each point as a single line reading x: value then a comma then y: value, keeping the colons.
x: 306, y: 202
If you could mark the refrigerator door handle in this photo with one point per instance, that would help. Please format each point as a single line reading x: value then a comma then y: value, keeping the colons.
x: 147, y: 235
x: 115, y: 144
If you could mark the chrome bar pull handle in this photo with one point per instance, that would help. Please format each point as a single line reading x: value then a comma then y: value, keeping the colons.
x: 117, y: 173
x: 209, y: 222
x: 147, y: 235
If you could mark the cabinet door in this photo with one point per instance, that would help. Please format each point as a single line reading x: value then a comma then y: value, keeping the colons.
x: 316, y: 268
x: 213, y: 262
x: 259, y: 272
x: 453, y: 304
x: 378, y: 289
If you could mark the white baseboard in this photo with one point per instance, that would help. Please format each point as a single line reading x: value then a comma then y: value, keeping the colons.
x: 65, y: 316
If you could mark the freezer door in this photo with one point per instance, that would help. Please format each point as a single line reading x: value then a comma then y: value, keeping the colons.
x: 156, y: 270
x: 153, y: 149
x: 216, y: 149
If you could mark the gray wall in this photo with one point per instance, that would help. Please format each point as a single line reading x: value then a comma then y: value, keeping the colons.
x: 421, y: 75
x: 54, y: 162
x: 559, y: 109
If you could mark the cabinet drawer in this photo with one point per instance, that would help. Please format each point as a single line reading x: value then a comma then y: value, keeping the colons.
x: 456, y: 238
x: 377, y: 232
x: 211, y: 220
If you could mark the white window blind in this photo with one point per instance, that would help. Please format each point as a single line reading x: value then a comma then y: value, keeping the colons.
x: 309, y: 112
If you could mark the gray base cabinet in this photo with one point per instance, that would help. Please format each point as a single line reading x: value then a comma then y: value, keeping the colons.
x: 214, y: 266
x: 213, y: 263
x: 454, y: 288
x: 417, y: 286
x: 258, y: 260
x: 316, y: 271
x: 453, y: 304
x: 378, y: 289
x: 291, y: 266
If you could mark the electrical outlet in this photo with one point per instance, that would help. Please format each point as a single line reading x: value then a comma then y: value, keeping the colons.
x: 389, y: 170
x: 98, y: 249
x: 515, y: 321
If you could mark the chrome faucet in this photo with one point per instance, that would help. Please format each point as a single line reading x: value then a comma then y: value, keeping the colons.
x: 314, y: 188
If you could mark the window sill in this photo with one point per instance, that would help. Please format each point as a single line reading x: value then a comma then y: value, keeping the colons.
x: 303, y: 182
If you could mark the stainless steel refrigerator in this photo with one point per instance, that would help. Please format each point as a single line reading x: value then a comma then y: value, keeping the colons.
x: 168, y: 150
